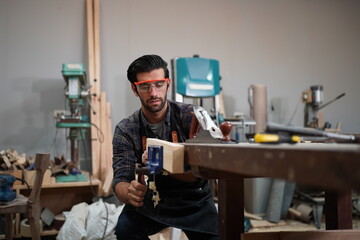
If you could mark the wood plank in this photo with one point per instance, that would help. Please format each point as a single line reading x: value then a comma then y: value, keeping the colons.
x: 90, y: 40
x: 97, y: 46
x: 321, y: 235
x: 95, y: 137
x: 94, y: 90
x: 103, y: 163
x: 173, y: 154
x: 261, y: 236
x: 304, y: 235
x: 106, y: 189
x: 93, y: 182
x: 265, y: 223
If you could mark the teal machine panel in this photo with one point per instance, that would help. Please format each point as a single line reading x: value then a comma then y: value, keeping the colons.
x: 197, y: 77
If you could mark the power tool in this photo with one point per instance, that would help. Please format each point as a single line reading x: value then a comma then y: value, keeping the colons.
x: 76, y: 95
x: 6, y: 187
x: 313, y: 99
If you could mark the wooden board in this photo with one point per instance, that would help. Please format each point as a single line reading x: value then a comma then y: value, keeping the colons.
x: 173, y: 155
x: 321, y: 235
x: 109, y: 152
x: 331, y: 166
x: 93, y: 36
x: 103, y: 163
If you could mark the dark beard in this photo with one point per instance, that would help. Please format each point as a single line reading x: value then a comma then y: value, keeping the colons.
x: 151, y: 109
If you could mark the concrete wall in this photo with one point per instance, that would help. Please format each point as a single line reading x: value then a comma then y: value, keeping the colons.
x: 287, y: 45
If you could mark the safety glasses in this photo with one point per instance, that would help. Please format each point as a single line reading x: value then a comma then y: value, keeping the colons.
x: 145, y: 86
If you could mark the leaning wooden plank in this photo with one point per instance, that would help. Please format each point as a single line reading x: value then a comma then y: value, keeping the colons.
x: 97, y: 162
x: 96, y: 137
x: 94, y: 83
x: 97, y: 46
x: 90, y: 40
x: 106, y: 187
x: 173, y: 154
x: 103, y: 163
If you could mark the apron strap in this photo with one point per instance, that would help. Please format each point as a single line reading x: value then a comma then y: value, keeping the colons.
x: 174, y: 137
x: 143, y: 142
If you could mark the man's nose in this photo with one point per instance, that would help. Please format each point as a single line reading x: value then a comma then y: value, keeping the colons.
x: 152, y: 90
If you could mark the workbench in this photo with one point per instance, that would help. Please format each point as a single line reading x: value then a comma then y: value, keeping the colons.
x: 332, y: 167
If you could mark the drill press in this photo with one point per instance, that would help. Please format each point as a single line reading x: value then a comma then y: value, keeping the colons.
x: 76, y: 92
x: 313, y: 99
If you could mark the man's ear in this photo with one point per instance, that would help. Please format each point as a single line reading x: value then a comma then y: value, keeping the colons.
x: 134, y: 89
x: 168, y: 85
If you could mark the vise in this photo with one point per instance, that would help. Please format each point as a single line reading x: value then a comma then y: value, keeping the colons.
x: 6, y: 188
x: 155, y: 161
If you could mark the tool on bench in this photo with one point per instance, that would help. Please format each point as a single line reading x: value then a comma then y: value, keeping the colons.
x: 313, y: 99
x: 6, y: 188
x: 275, y: 138
x: 207, y: 123
x: 292, y: 130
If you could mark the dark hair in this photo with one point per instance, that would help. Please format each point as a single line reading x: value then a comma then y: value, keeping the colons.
x: 146, y: 63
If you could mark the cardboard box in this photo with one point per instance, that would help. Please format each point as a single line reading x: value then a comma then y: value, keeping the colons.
x: 15, y: 173
x: 29, y: 177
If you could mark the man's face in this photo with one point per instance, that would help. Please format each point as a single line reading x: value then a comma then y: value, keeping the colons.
x: 153, y: 95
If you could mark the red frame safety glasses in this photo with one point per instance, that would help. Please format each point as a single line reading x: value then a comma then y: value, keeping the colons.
x: 145, y: 86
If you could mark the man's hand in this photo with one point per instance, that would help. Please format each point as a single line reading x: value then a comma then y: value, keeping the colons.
x: 144, y: 157
x: 131, y: 193
x: 136, y: 193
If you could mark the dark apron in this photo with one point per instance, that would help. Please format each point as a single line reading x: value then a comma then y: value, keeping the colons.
x: 183, y: 205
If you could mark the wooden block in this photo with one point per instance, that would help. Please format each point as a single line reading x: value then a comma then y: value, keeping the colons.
x: 173, y: 154
x: 29, y: 177
x: 6, y: 161
x: 265, y: 223
x: 252, y: 216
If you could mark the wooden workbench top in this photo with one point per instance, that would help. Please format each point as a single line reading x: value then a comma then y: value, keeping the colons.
x: 329, y: 165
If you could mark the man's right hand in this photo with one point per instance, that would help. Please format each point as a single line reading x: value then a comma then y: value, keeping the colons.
x: 136, y: 193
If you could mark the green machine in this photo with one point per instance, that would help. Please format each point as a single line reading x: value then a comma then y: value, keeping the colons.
x: 76, y: 94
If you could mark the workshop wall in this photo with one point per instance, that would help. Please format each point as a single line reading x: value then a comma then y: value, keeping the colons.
x: 287, y: 45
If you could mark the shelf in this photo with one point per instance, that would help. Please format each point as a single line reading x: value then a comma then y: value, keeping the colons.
x: 51, y: 232
x: 59, y: 197
x: 93, y: 182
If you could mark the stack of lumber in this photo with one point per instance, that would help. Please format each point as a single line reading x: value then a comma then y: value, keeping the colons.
x: 11, y: 160
x: 101, y: 130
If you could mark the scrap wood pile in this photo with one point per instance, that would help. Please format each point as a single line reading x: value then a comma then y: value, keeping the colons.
x: 61, y: 166
x: 11, y: 160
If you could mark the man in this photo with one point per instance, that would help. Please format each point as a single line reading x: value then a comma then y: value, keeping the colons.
x: 185, y: 201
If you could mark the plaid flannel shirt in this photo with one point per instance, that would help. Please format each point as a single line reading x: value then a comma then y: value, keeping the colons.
x: 127, y: 140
